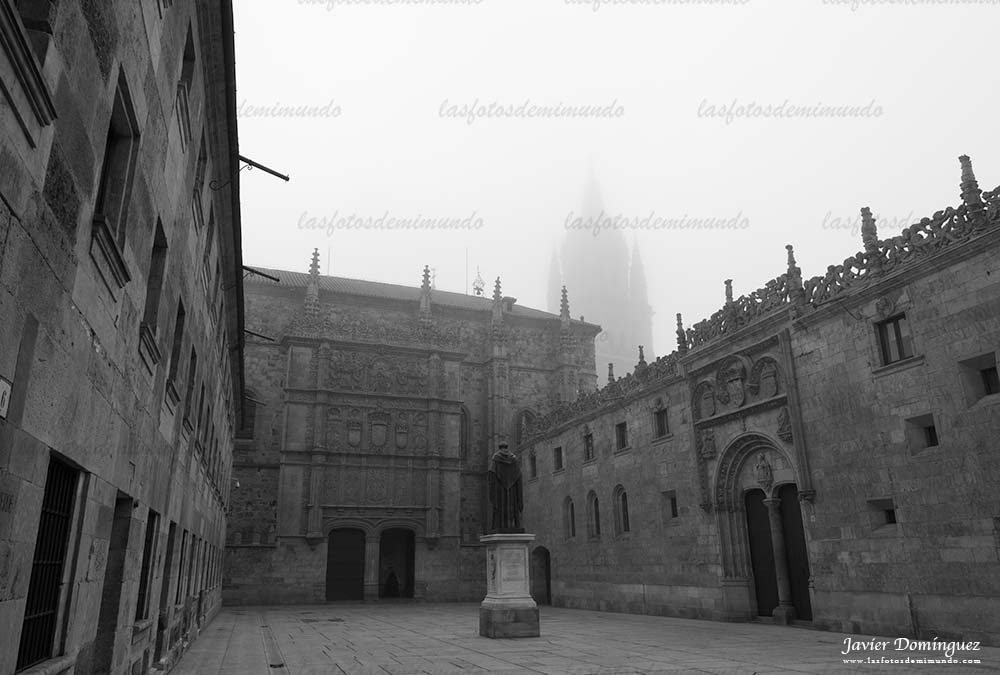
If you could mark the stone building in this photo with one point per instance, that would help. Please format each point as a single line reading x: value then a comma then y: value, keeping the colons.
x: 120, y: 344
x: 376, y: 408
x: 821, y: 451
x: 608, y: 283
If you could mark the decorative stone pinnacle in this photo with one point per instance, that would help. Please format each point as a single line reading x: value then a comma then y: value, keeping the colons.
x: 426, y: 283
x: 869, y: 233
x: 729, y: 291
x: 314, y: 265
x: 564, y: 304
x: 497, y: 293
x: 791, y: 258
x: 682, y: 345
x: 642, y: 356
x: 611, y: 372
x: 971, y: 194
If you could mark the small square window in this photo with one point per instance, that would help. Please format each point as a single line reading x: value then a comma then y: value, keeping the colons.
x: 883, y: 512
x: 979, y: 376
x: 668, y: 506
x: 557, y: 459
x: 588, y: 447
x: 532, y: 465
x: 894, y: 339
x: 921, y: 433
x: 621, y: 435
x: 660, y: 423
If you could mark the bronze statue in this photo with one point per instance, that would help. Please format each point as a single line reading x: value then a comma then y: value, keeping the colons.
x: 503, y: 486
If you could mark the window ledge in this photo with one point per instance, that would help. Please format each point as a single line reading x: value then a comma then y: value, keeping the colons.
x: 590, y: 462
x: 622, y: 451
x: 556, y: 472
x: 106, y: 255
x: 898, y: 366
x: 171, y: 397
x: 672, y: 522
x: 661, y: 439
x: 888, y: 530
x: 984, y: 401
x: 148, y: 350
x: 54, y: 666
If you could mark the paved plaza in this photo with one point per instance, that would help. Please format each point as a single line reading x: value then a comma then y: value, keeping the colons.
x: 397, y: 638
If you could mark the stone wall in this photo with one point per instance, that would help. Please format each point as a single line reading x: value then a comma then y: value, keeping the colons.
x: 86, y: 340
x: 784, y: 406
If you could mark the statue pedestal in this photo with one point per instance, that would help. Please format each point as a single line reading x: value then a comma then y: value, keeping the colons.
x: 508, y: 611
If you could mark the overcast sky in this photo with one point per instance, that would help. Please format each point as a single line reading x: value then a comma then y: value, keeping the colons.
x: 386, y: 82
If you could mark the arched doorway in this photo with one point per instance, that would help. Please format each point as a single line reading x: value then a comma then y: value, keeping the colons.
x: 760, y: 522
x: 396, y: 554
x: 541, y: 578
x: 761, y: 552
x: 345, y: 565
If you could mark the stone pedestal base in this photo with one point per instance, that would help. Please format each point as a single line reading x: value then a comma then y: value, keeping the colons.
x: 783, y: 614
x: 508, y: 611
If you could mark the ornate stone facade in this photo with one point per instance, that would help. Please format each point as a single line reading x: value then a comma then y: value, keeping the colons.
x: 827, y: 453
x: 379, y: 407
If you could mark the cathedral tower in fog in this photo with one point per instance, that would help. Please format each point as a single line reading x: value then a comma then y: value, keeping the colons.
x: 606, y: 283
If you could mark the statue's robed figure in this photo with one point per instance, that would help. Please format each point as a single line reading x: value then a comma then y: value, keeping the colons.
x: 503, y: 485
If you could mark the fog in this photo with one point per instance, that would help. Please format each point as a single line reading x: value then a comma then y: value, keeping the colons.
x: 783, y: 118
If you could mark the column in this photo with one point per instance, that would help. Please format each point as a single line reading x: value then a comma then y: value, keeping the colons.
x: 371, y: 567
x: 785, y: 611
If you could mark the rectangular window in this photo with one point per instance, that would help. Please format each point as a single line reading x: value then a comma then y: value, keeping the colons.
x: 894, y: 339
x: 38, y: 630
x: 588, y: 447
x: 191, y: 374
x: 118, y: 169
x: 883, y: 512
x: 181, y: 561
x: 184, y: 91
x: 532, y: 466
x: 668, y: 506
x: 921, y: 433
x: 178, y: 340
x: 979, y: 376
x: 154, y: 283
x: 660, y: 423
x: 557, y: 459
x: 148, y: 556
x: 621, y: 435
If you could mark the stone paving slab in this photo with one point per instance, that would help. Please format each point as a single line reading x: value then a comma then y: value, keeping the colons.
x: 436, y: 639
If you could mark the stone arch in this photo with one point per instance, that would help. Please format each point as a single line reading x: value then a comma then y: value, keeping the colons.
x: 397, y: 524
x: 737, y: 473
x: 331, y: 524
x: 524, y: 420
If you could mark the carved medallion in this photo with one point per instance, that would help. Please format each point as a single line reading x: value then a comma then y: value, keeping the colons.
x: 704, y: 401
x: 884, y: 307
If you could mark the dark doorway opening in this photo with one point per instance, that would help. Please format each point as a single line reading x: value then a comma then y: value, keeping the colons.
x: 761, y: 553
x: 541, y: 579
x: 345, y: 565
x: 396, y: 553
x: 111, y: 591
x: 795, y: 551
